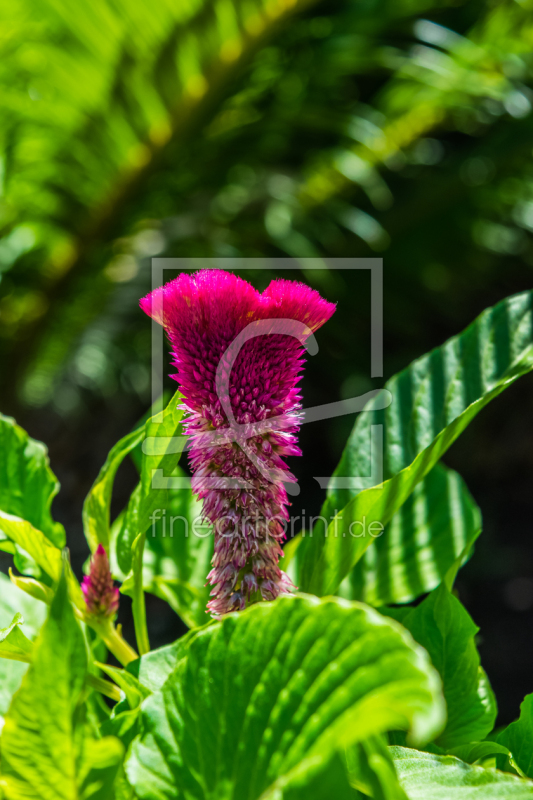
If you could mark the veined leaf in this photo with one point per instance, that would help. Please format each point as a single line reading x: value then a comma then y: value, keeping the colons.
x: 435, y: 525
x: 264, y: 695
x: 27, y: 484
x: 445, y: 629
x: 434, y: 399
x: 45, y: 754
x: 518, y: 737
x: 425, y: 776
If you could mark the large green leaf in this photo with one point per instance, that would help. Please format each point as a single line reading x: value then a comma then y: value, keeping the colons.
x: 263, y: 696
x: 27, y: 484
x: 518, y: 737
x: 45, y: 750
x: 425, y: 776
x: 445, y: 629
x: 433, y: 400
x: 435, y: 525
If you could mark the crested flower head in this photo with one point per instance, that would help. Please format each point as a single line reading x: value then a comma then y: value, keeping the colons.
x: 239, y: 356
x: 101, y: 595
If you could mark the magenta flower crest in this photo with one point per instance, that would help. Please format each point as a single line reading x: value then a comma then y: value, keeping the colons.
x: 101, y: 595
x: 239, y: 356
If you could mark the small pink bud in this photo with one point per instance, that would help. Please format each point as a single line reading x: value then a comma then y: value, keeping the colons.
x: 101, y: 595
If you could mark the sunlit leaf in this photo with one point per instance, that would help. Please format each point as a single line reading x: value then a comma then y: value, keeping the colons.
x: 434, y: 399
x: 277, y: 691
x: 424, y: 776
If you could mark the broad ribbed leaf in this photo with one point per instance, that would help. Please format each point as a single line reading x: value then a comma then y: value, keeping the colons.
x: 435, y: 525
x: 264, y: 695
x: 425, y: 776
x: 433, y: 401
x: 445, y: 629
x: 27, y: 484
x: 518, y: 737
x: 44, y: 751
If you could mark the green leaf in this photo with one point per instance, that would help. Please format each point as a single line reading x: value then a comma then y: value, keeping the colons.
x: 12, y: 602
x: 481, y: 752
x: 153, y: 669
x: 48, y: 557
x: 27, y: 484
x: 372, y: 770
x: 262, y: 696
x: 101, y: 761
x: 425, y: 776
x: 445, y: 629
x: 45, y: 752
x: 33, y: 542
x: 163, y: 442
x: 13, y: 643
x: 178, y: 557
x: 433, y: 401
x: 436, y: 524
x: 97, y: 504
x: 518, y: 737
x: 133, y: 689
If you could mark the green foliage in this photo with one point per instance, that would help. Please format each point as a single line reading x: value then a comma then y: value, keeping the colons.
x: 13, y: 643
x: 96, y: 508
x: 434, y: 400
x: 12, y: 602
x: 275, y: 691
x: 164, y: 442
x: 27, y: 484
x: 424, y: 775
x: 290, y: 699
x: 45, y: 749
x: 445, y: 629
x: 518, y: 737
x: 437, y: 524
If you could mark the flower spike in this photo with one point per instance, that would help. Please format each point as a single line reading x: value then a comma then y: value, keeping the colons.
x: 239, y: 356
x: 101, y: 595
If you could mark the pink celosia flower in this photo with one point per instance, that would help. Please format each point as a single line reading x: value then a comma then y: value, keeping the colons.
x: 101, y: 595
x: 243, y: 414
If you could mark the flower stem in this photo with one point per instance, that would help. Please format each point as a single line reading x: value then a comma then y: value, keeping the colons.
x: 104, y: 687
x: 113, y: 641
x: 137, y: 595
